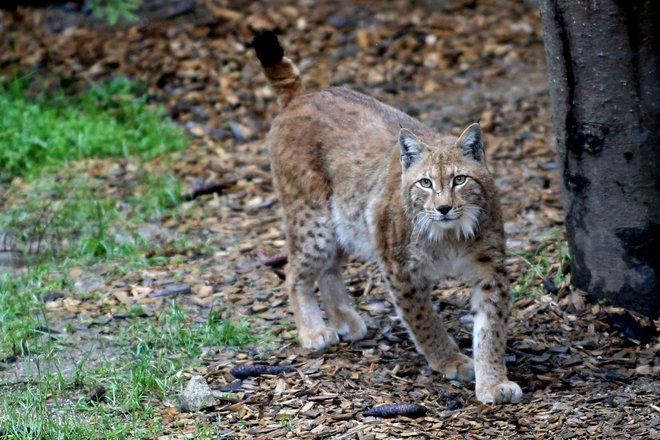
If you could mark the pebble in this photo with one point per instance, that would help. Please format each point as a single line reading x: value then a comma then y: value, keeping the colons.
x: 89, y: 283
x: 197, y: 395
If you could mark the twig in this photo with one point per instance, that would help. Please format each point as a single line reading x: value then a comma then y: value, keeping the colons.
x: 275, y: 260
x: 208, y: 188
x: 171, y: 290
x: 182, y: 9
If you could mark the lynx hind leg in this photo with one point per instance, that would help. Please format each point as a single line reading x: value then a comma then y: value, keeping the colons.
x: 338, y: 305
x: 312, y: 250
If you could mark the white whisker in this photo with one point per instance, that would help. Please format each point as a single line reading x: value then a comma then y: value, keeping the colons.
x: 420, y: 222
x: 469, y: 223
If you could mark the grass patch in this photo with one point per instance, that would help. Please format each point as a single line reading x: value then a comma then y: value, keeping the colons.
x: 111, y: 119
x: 21, y: 311
x: 78, y: 214
x: 113, y: 10
x: 58, y: 214
x: 67, y: 207
x: 85, y: 213
x: 156, y: 352
x: 546, y: 268
x: 175, y: 334
x: 69, y: 217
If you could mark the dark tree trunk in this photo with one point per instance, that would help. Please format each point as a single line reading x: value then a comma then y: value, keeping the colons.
x: 604, y: 67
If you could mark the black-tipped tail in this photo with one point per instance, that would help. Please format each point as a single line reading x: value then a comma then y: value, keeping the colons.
x: 282, y: 74
x: 268, y: 48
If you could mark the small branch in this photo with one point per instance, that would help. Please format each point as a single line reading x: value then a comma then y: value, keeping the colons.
x: 275, y: 260
x: 187, y: 7
x: 208, y: 188
x: 171, y: 290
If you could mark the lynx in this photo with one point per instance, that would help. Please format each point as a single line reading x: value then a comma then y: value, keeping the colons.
x: 356, y: 176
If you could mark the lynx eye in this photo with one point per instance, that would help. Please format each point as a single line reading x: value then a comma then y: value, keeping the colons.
x: 459, y: 180
x: 425, y: 183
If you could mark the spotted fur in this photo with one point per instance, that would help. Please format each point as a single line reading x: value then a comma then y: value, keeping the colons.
x: 418, y: 203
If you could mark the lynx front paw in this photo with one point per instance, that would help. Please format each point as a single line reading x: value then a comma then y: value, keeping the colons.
x: 505, y: 392
x: 319, y: 339
x: 351, y: 327
x: 460, y: 367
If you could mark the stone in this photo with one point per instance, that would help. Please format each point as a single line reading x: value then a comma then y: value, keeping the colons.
x: 197, y: 395
x: 88, y: 283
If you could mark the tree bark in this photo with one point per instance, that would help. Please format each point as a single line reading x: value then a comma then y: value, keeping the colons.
x: 604, y: 67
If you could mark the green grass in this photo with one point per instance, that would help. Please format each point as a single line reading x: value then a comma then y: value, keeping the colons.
x: 21, y: 311
x: 66, y: 214
x: 175, y: 334
x: 113, y: 10
x: 55, y: 406
x: 83, y: 216
x: 550, y: 260
x: 70, y: 211
x: 46, y: 132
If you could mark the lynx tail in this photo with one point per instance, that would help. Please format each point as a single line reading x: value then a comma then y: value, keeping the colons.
x: 280, y: 70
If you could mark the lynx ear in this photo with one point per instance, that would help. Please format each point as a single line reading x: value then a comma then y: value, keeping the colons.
x: 411, y: 148
x: 471, y: 143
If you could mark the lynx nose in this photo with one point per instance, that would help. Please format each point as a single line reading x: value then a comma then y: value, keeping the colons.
x: 444, y: 209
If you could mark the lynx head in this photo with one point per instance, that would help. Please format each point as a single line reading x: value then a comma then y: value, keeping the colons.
x: 442, y: 183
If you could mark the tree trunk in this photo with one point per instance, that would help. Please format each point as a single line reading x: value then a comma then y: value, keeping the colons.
x: 604, y: 67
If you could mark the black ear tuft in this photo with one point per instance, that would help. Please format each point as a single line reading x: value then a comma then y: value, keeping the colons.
x: 411, y: 148
x: 471, y: 143
x: 268, y: 48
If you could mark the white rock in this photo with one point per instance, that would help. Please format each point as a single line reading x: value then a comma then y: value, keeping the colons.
x: 197, y: 395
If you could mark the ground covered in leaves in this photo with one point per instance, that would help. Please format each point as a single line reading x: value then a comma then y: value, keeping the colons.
x: 587, y: 370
